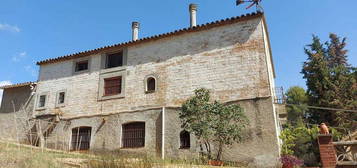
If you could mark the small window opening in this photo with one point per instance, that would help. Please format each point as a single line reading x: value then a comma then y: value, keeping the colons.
x: 81, y: 137
x: 151, y: 85
x: 112, y: 86
x: 81, y: 66
x: 114, y: 60
x: 185, y: 140
x: 42, y: 101
x: 134, y: 135
x: 61, y: 97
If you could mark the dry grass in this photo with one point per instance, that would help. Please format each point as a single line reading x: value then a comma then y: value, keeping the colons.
x: 14, y: 156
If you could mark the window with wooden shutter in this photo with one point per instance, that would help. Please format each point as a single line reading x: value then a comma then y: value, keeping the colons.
x: 112, y: 86
x: 134, y: 135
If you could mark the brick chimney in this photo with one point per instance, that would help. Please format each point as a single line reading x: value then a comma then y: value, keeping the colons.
x: 135, y: 30
x: 193, y: 11
x: 327, y: 151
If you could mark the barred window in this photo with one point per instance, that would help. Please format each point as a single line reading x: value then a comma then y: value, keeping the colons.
x: 185, y: 140
x: 134, y: 135
x: 112, y: 86
x: 81, y: 137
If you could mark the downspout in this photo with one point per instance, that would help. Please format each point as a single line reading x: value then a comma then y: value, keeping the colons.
x: 163, y: 134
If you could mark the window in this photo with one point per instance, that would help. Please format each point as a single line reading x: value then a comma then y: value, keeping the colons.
x: 112, y: 86
x: 81, y: 66
x: 61, y: 97
x: 81, y: 137
x: 134, y: 135
x: 114, y: 60
x: 42, y: 101
x: 185, y: 140
x: 150, y: 85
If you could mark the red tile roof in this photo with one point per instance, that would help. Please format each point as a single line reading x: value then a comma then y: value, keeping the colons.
x: 155, y: 37
x: 17, y: 85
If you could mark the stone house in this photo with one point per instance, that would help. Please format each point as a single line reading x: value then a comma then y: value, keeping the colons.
x: 127, y: 96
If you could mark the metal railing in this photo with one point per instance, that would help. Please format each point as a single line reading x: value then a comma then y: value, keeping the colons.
x: 279, y: 97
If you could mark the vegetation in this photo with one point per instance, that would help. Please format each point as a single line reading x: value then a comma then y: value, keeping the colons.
x: 213, y: 122
x: 13, y: 156
x: 331, y: 82
x: 297, y: 97
x: 301, y: 142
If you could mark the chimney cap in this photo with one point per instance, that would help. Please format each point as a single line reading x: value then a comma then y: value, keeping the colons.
x: 193, y: 7
x: 135, y: 25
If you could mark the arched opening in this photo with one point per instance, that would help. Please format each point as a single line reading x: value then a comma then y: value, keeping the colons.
x: 185, y: 140
x: 150, y: 84
x: 133, y: 135
x: 81, y: 137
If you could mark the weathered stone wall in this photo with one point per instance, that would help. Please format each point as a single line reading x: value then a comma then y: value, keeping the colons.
x: 106, y: 132
x: 11, y: 129
x: 260, y: 148
x: 229, y: 60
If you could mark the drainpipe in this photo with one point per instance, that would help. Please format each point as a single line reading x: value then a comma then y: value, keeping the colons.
x: 163, y: 134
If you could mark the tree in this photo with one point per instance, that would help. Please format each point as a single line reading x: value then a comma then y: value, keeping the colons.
x: 337, y: 55
x: 296, y: 96
x: 330, y: 81
x: 213, y: 122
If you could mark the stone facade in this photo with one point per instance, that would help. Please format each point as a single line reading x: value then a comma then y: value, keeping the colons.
x: 232, y: 60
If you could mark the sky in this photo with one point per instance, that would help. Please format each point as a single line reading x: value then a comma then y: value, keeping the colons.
x: 31, y: 31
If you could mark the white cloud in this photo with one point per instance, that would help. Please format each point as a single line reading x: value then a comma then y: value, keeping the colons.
x: 3, y: 83
x: 18, y: 57
x: 7, y: 27
x: 31, y: 70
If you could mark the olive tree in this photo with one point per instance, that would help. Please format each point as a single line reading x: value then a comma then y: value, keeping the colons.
x: 213, y: 122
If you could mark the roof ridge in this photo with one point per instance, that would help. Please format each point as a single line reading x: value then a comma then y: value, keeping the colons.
x: 153, y: 37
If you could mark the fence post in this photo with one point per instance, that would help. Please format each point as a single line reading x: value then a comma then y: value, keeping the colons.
x: 327, y: 151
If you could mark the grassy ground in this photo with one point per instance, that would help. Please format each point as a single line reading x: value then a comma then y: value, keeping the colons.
x: 14, y: 156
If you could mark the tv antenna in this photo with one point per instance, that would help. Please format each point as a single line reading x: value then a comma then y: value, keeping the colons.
x: 253, y: 2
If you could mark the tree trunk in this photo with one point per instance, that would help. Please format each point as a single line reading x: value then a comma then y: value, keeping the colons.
x: 208, y: 148
x: 219, y: 153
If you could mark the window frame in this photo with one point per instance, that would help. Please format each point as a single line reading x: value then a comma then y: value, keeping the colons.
x: 81, y: 62
x: 74, y: 141
x: 113, y: 53
x: 147, y: 91
x: 46, y: 94
x: 103, y: 65
x: 123, y: 143
x: 74, y: 66
x: 112, y: 78
x: 58, y: 96
x: 101, y: 90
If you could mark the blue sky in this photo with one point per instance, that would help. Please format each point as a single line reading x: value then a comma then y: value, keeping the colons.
x: 35, y: 30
